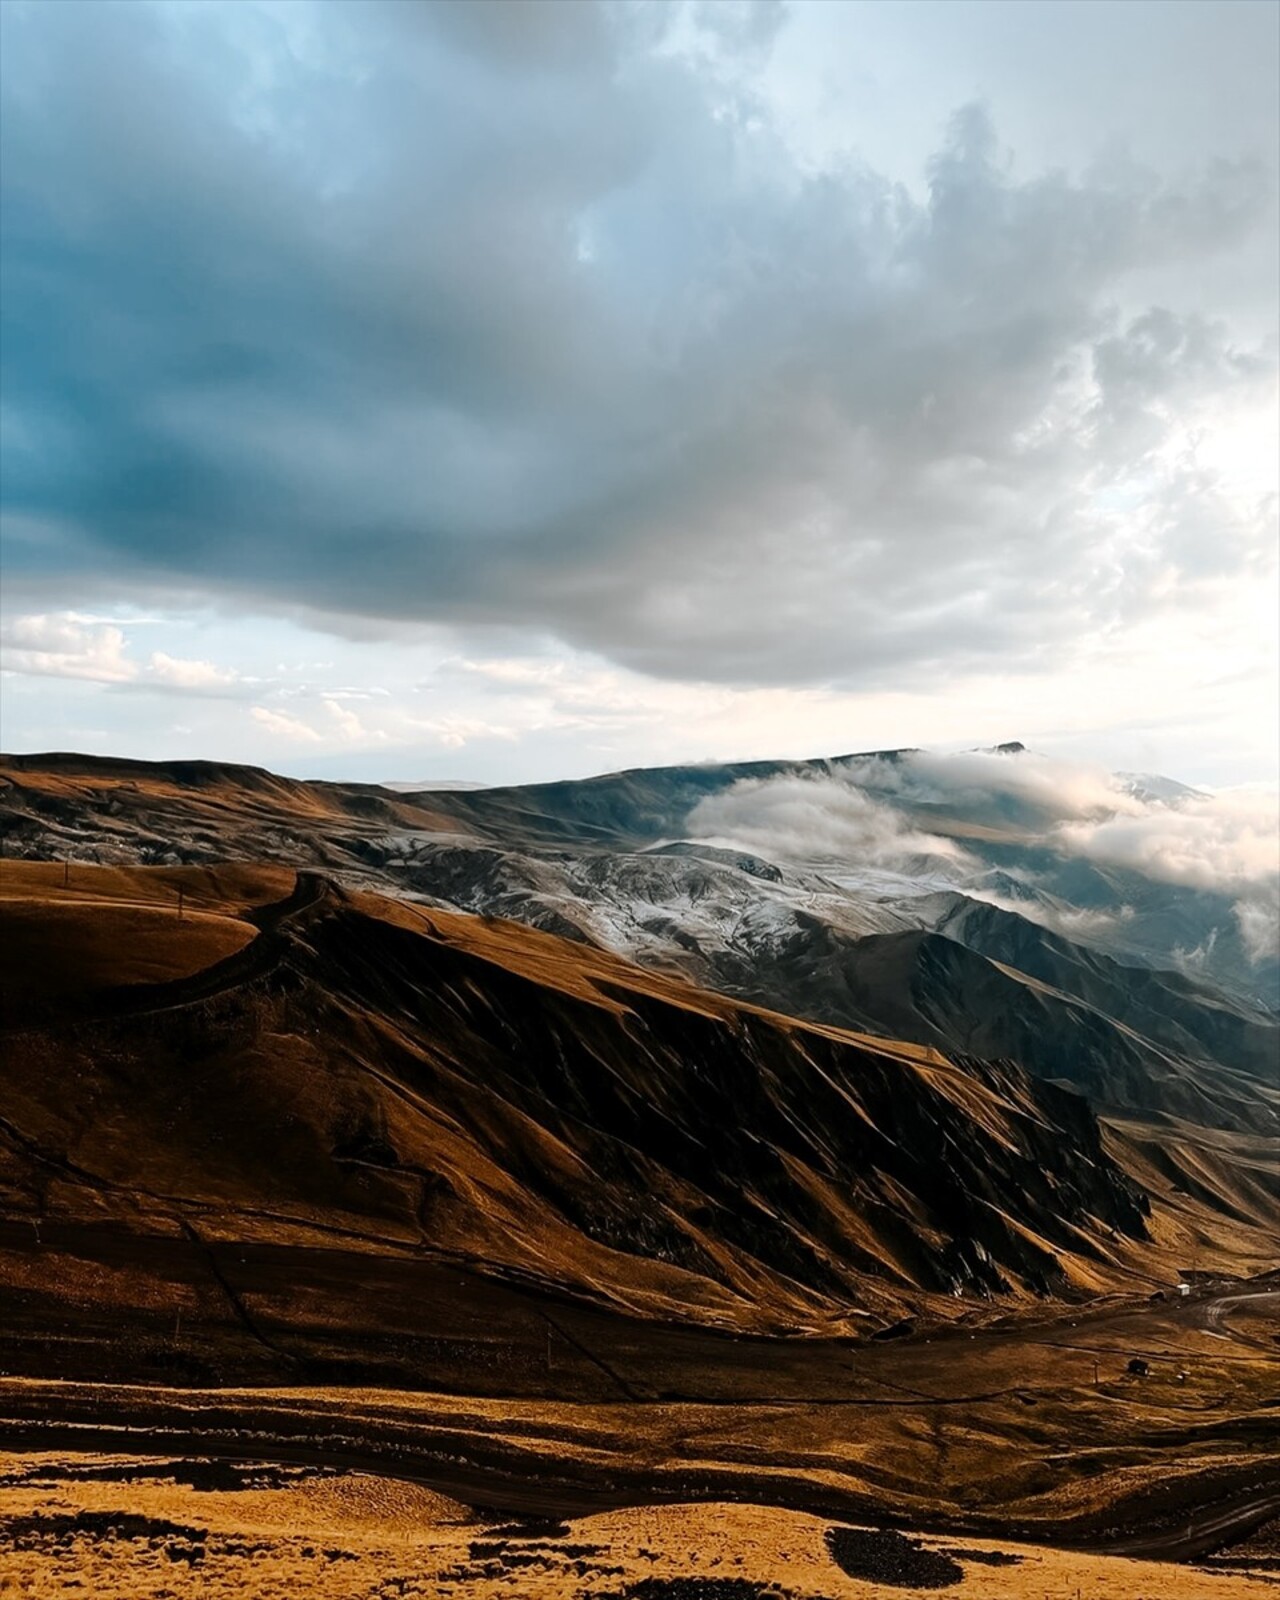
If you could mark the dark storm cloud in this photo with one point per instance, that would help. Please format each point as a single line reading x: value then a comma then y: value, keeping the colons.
x: 517, y: 314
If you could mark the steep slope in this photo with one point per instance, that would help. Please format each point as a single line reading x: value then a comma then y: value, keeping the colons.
x: 975, y: 977
x: 929, y: 988
x: 1187, y: 1018
x: 1138, y: 920
x: 437, y: 1086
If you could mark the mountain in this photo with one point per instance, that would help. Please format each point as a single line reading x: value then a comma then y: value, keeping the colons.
x: 1012, y: 851
x: 300, y: 1164
x: 939, y: 969
x: 420, y: 1085
x: 964, y: 954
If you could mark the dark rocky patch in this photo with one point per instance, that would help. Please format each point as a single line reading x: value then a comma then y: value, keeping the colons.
x: 224, y: 1476
x: 982, y: 1558
x: 510, y: 1550
x: 531, y: 1528
x: 896, y: 1330
x: 883, y: 1556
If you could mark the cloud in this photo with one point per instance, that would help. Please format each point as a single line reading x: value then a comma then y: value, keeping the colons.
x: 874, y: 812
x: 61, y: 646
x: 194, y: 677
x: 1054, y: 791
x: 1073, y: 922
x: 284, y: 726
x: 1227, y: 842
x: 803, y: 818
x: 543, y: 694
x: 453, y: 732
x: 298, y: 315
x: 69, y: 644
x: 1259, y: 923
x: 347, y: 722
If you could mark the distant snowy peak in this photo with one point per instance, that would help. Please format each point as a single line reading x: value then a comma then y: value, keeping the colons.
x: 1152, y: 789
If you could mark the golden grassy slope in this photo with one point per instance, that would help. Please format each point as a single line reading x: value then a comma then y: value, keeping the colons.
x: 70, y: 930
x: 134, y: 801
x: 414, y: 1080
x: 294, y: 1535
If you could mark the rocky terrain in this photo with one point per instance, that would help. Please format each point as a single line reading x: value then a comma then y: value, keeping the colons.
x: 339, y: 1131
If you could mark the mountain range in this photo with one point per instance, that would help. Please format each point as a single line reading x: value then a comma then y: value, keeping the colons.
x: 967, y: 929
x: 769, y: 1133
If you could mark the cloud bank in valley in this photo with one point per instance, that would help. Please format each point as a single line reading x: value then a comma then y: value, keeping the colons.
x: 800, y: 818
x: 1021, y: 783
x: 1225, y: 842
x: 1228, y: 844
x: 876, y: 813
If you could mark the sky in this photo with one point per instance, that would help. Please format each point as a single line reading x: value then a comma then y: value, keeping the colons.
x: 522, y: 389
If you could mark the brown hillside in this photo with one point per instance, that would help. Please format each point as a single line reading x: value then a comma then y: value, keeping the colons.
x: 345, y: 1072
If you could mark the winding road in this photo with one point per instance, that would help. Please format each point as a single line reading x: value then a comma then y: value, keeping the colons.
x: 256, y: 959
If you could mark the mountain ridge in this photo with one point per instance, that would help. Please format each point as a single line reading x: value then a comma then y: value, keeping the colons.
x: 793, y: 938
x: 422, y: 1077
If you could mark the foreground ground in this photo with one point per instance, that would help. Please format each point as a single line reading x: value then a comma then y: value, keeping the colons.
x: 1035, y: 1429
x: 120, y: 1528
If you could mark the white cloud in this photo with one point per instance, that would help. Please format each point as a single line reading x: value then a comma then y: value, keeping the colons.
x: 348, y: 724
x: 1073, y: 922
x: 61, y: 645
x: 1058, y: 789
x: 1259, y: 922
x: 342, y: 727
x: 72, y: 644
x: 199, y: 677
x: 1228, y: 842
x: 813, y: 818
x: 454, y: 732
x: 286, y: 727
